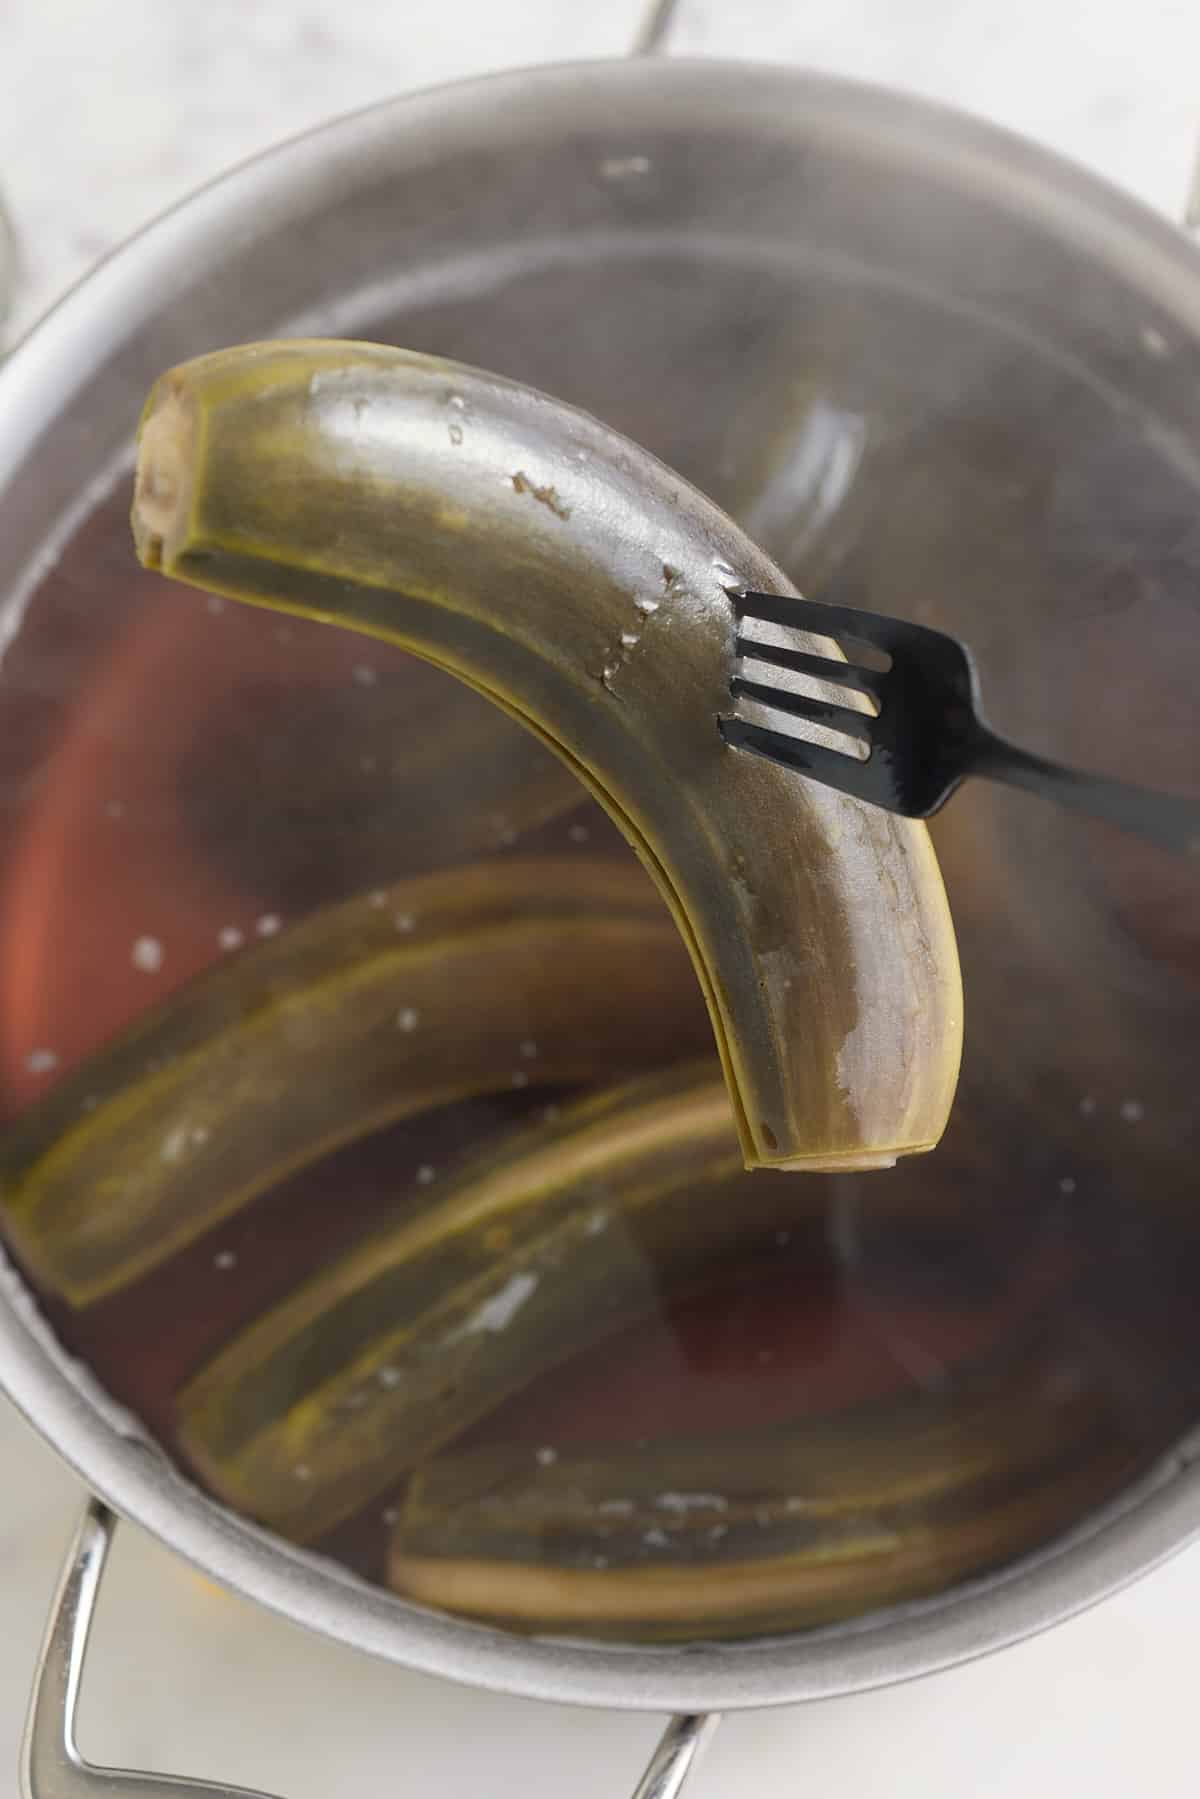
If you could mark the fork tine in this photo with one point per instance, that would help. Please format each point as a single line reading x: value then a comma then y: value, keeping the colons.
x: 845, y: 674
x: 827, y: 766
x: 820, y: 617
x: 803, y: 705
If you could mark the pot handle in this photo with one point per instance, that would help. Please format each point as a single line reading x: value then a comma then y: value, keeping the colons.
x: 52, y: 1766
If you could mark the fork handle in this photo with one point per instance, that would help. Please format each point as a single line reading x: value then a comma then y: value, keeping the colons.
x: 1162, y: 818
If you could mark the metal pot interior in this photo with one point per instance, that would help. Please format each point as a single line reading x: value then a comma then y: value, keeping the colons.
x: 929, y: 371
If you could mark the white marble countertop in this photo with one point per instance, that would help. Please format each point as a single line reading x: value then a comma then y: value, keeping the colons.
x: 110, y: 112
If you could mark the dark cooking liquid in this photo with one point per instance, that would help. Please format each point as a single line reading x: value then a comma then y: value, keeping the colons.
x: 180, y: 777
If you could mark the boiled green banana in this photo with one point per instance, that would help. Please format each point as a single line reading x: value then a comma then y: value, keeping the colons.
x: 365, y: 1013
x: 544, y: 1243
x: 582, y: 586
x: 820, y: 1520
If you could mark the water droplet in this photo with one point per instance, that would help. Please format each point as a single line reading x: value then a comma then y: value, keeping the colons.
x: 550, y: 1114
x: 529, y: 1049
x: 225, y: 1260
x: 458, y: 403
x: 1087, y: 1106
x: 404, y: 921
x: 407, y: 1018
x: 647, y: 605
x: 520, y: 1077
x: 425, y: 1174
x: 147, y: 955
x: 547, y: 1456
x: 377, y: 899
x: 230, y: 938
x: 302, y: 1471
x: 215, y: 604
x: 456, y: 434
x: 1153, y: 342
x: 579, y: 833
x: 41, y: 1061
x: 389, y: 1378
x: 390, y: 1515
x: 1132, y: 1111
x: 115, y: 809
x: 268, y: 925
x: 1067, y: 1184
x: 656, y: 1539
x: 364, y: 674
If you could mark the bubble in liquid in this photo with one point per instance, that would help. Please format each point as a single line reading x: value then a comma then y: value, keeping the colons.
x: 147, y: 955
x: 407, y: 1018
x: 41, y: 1061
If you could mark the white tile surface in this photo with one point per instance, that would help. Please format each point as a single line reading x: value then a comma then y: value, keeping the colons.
x: 110, y: 112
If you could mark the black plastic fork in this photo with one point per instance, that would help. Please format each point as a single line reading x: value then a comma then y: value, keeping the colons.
x: 927, y: 733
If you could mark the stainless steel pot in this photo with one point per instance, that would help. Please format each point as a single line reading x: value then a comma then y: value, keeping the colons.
x: 642, y: 238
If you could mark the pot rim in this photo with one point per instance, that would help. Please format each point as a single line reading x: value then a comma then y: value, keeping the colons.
x: 102, y: 1444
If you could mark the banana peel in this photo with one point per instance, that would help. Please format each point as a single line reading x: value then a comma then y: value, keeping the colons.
x: 584, y: 588
x: 546, y: 1243
x: 494, y: 975
x: 749, y: 1535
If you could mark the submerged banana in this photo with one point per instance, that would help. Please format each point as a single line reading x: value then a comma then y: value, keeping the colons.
x: 582, y: 586
x: 820, y: 1520
x: 467, y: 982
x: 545, y: 1243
